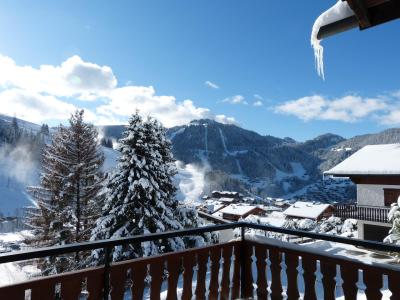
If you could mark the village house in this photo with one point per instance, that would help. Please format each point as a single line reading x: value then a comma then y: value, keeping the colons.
x: 309, y: 210
x: 375, y: 169
x: 235, y: 212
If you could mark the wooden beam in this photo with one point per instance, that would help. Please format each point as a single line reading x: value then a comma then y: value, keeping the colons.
x: 360, y: 10
x: 372, y: 3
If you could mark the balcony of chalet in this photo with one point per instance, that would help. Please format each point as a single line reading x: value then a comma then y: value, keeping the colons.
x: 247, y: 267
x: 362, y: 212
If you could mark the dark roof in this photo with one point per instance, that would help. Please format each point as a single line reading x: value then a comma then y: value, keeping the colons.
x: 367, y: 13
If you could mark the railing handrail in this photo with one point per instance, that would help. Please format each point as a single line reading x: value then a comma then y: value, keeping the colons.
x: 92, y: 245
x: 366, y: 206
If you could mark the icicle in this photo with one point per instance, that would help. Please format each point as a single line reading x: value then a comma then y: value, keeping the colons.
x: 339, y: 11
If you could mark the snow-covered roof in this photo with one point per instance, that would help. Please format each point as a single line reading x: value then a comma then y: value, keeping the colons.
x: 237, y: 210
x: 212, y: 208
x: 308, y: 210
x: 370, y: 160
x: 224, y: 199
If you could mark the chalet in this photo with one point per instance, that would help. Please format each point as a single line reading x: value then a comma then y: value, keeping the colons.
x: 211, y: 206
x: 226, y: 196
x: 235, y: 212
x: 309, y: 210
x: 375, y: 169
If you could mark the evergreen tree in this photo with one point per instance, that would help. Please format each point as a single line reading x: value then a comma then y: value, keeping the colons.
x: 141, y: 194
x: 15, y: 131
x: 68, y: 197
x: 44, y: 129
x: 394, y: 218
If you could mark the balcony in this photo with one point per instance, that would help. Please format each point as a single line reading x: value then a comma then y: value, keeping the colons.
x: 364, y: 213
x: 244, y: 268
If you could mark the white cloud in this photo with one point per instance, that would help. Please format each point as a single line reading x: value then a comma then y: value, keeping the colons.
x: 258, y: 97
x: 126, y: 100
x: 73, y: 78
x: 34, y: 107
x: 237, y: 99
x: 346, y: 109
x: 47, y: 93
x: 211, y: 85
x: 258, y: 103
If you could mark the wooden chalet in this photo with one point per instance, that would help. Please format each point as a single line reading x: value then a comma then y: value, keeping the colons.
x: 375, y: 169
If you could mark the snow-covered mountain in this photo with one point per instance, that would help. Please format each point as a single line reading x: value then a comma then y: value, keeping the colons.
x: 239, y: 159
x: 217, y: 156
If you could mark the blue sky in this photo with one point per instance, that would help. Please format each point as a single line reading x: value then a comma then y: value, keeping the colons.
x: 256, y: 50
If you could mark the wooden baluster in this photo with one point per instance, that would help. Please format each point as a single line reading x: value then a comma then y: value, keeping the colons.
x: 215, y: 257
x: 262, y: 286
x: 328, y: 270
x: 276, y: 284
x: 292, y: 262
x: 139, y: 272
x: 94, y: 284
x: 236, y: 273
x: 373, y: 283
x: 248, y: 276
x: 394, y: 286
x: 309, y: 266
x: 188, y: 264
x: 156, y: 273
x: 42, y: 290
x: 349, y: 276
x: 118, y: 279
x: 71, y: 288
x: 202, y: 258
x: 173, y: 266
x: 225, y: 281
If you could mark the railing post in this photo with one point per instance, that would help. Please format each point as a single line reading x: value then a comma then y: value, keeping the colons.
x: 242, y: 262
x: 106, y: 289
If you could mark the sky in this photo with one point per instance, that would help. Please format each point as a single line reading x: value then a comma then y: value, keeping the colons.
x: 244, y: 62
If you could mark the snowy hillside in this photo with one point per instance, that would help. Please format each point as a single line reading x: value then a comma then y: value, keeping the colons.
x: 6, y: 120
x: 18, y: 170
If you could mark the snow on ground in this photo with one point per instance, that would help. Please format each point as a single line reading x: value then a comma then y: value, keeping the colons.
x: 175, y: 133
x: 297, y: 171
x: 15, y: 237
x: 18, y: 169
x: 110, y: 158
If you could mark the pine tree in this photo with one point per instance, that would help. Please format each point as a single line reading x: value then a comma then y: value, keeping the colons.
x: 141, y: 194
x: 394, y: 218
x: 68, y: 197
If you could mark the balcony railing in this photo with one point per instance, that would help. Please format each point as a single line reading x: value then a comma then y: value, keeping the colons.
x: 365, y: 213
x: 244, y: 268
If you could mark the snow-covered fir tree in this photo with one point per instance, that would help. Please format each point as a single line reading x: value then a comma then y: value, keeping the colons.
x: 141, y: 194
x: 394, y: 218
x: 68, y: 198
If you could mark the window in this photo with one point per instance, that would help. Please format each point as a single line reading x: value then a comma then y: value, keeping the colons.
x: 390, y: 196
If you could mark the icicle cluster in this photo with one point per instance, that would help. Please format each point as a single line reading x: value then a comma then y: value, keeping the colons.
x: 337, y: 12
